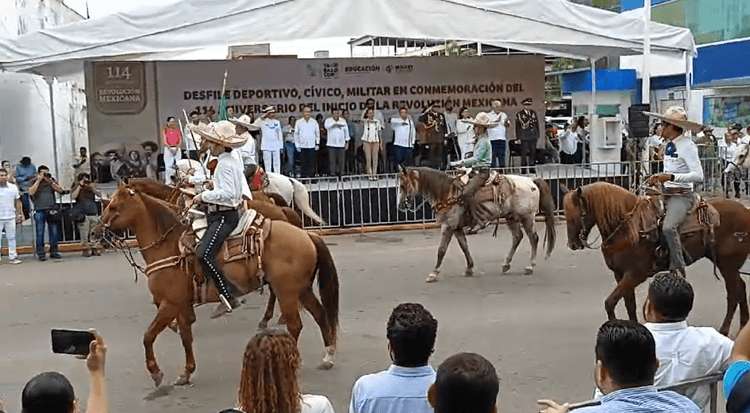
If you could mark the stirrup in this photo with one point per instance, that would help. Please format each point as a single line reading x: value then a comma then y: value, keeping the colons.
x: 226, y: 303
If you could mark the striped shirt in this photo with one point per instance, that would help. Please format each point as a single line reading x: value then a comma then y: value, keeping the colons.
x: 642, y: 400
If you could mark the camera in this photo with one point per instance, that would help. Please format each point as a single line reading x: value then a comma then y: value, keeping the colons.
x: 47, y: 175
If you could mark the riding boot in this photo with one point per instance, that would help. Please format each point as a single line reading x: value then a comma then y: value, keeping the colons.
x: 472, y: 206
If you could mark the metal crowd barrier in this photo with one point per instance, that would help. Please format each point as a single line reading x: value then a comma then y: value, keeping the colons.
x: 711, y: 380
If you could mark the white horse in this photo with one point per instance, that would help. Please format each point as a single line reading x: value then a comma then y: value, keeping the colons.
x: 740, y: 160
x: 292, y: 190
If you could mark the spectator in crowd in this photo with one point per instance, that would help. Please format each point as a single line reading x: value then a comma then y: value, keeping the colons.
x: 289, y: 148
x: 411, y: 333
x: 82, y: 163
x: 172, y: 149
x: 321, y: 157
x: 269, y: 382
x: 25, y: 172
x: 451, y: 126
x: 465, y: 131
x: 551, y: 151
x: 210, y: 115
x: 579, y: 128
x: 230, y: 113
x: 338, y: 142
x: 307, y: 141
x: 136, y: 165
x: 626, y: 365
x: 404, y: 137
x: 351, y: 152
x: 51, y: 392
x: 684, y: 352
x: 11, y: 213
x: 378, y: 115
x: 655, y: 145
x: 151, y: 151
x: 272, y: 140
x: 372, y: 142
x: 84, y: 193
x: 465, y: 383
x: 435, y: 132
x: 11, y: 171
x: 730, y: 147
x: 568, y: 145
x: 247, y: 154
x: 43, y: 189
x: 497, y: 134
x: 192, y: 140
x: 527, y: 131
x: 736, y: 378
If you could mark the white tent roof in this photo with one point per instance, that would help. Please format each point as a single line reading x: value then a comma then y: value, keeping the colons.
x: 553, y: 27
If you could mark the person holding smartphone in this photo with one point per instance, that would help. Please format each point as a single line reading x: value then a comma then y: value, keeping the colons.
x: 42, y: 191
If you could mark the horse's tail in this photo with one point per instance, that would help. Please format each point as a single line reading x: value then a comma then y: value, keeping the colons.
x: 302, y: 201
x: 547, y: 208
x: 328, y: 285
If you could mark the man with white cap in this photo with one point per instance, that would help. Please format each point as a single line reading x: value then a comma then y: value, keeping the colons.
x: 223, y: 201
x: 247, y: 154
x: 480, y: 161
x: 271, y: 139
x: 682, y: 169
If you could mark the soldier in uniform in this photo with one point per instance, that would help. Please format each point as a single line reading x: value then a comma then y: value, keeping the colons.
x: 435, y: 133
x: 527, y: 130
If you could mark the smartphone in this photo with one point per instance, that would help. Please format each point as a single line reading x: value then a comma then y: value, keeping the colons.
x: 71, y: 341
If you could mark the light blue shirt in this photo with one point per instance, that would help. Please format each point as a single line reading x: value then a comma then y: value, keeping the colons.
x: 642, y: 400
x: 396, y: 390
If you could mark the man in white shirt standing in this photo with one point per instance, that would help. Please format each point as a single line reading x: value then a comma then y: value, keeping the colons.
x: 191, y: 143
x: 338, y: 141
x: 404, y: 136
x: 247, y: 153
x: 684, y: 352
x: 451, y: 126
x: 271, y: 139
x: 497, y: 134
x: 307, y: 141
x: 223, y: 200
x: 11, y: 213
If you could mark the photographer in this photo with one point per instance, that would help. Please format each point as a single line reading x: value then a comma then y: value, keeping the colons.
x: 87, y: 214
x: 42, y: 190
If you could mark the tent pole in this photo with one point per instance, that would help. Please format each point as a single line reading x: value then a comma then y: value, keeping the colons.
x: 479, y: 49
x: 54, y: 131
x: 646, y: 81
x: 688, y: 80
x: 592, y: 107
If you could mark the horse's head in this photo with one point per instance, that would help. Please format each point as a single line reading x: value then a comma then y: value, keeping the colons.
x: 740, y: 160
x: 579, y: 220
x: 120, y: 215
x: 407, y: 186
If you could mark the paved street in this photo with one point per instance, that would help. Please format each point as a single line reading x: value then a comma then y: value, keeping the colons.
x: 538, y: 330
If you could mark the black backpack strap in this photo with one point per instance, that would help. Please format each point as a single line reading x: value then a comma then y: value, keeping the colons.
x: 739, y: 398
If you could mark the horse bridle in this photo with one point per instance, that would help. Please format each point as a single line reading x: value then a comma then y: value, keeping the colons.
x: 581, y: 232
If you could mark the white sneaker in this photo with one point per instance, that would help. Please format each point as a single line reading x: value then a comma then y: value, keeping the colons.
x: 15, y: 261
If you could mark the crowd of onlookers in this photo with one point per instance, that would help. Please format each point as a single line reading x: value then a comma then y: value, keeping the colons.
x: 631, y: 361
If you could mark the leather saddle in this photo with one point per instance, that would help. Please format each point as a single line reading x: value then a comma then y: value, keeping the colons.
x: 497, y: 188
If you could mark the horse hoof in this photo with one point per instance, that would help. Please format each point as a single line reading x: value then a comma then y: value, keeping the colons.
x: 528, y: 270
x: 183, y: 380
x: 506, y: 267
x: 431, y: 278
x: 469, y: 273
x: 326, y: 365
x: 157, y: 378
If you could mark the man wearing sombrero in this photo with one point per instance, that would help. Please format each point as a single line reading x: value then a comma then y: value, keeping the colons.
x: 682, y: 169
x: 247, y: 154
x: 480, y: 160
x: 223, y: 201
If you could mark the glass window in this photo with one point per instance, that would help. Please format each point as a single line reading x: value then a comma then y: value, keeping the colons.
x: 709, y: 20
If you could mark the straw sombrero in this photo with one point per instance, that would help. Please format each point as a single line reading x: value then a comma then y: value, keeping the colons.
x: 677, y: 116
x: 269, y: 109
x: 244, y: 121
x: 222, y: 133
x: 482, y: 119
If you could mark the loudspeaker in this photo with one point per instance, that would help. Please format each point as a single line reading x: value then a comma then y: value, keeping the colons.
x: 638, y: 122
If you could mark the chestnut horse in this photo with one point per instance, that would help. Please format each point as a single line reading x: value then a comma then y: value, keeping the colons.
x: 291, y: 260
x: 263, y: 203
x: 522, y: 199
x: 632, y: 258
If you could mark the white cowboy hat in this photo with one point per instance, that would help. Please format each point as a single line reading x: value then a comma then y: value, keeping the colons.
x: 244, y: 121
x: 482, y: 119
x: 677, y: 116
x: 269, y: 109
x: 222, y: 133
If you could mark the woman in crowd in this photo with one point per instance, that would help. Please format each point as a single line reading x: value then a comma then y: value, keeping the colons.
x: 269, y: 382
x: 583, y: 139
x: 289, y: 147
x: 172, y: 152
x: 730, y: 139
x: 371, y: 142
x: 465, y: 132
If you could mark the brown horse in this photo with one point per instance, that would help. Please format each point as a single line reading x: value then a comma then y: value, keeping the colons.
x: 266, y: 205
x: 520, y: 200
x: 632, y: 258
x: 291, y: 260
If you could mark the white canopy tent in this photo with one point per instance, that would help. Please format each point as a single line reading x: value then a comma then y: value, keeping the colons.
x: 552, y: 27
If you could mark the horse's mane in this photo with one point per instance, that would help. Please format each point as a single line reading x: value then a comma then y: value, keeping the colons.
x: 150, y: 186
x: 164, y: 213
x: 610, y: 204
x: 433, y: 183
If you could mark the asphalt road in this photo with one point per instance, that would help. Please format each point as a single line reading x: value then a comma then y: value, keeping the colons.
x: 538, y: 330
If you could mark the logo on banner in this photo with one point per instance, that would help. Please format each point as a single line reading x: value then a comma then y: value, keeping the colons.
x: 120, y: 87
x: 330, y: 70
x: 359, y: 70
